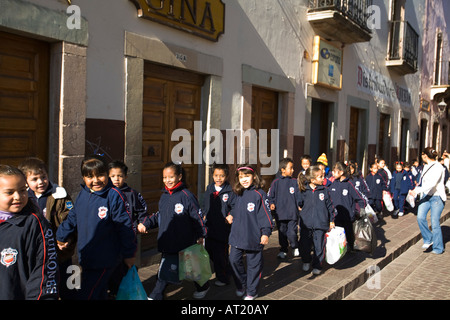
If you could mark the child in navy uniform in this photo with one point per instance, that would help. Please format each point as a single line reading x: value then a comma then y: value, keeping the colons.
x: 305, y: 163
x: 345, y: 196
x: 28, y: 266
x: 137, y: 208
x: 55, y: 204
x: 180, y: 223
x: 118, y: 173
x: 376, y: 185
x: 316, y: 217
x: 105, y: 230
x: 251, y: 226
x: 283, y: 197
x: 401, y: 183
x: 356, y: 178
x: 218, y: 201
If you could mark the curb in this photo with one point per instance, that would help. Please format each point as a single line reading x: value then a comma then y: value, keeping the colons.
x: 361, y: 276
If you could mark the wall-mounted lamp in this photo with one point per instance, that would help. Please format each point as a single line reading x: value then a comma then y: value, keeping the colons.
x: 442, y: 105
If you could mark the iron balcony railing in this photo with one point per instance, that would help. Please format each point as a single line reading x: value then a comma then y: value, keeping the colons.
x: 355, y: 10
x: 404, y: 43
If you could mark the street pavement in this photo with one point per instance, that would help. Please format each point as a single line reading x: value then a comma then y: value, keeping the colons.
x: 415, y: 275
x: 397, y: 269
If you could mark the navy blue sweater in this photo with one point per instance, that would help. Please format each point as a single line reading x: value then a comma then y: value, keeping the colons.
x: 376, y: 185
x: 317, y: 208
x: 285, y: 195
x: 104, y: 227
x: 251, y: 219
x: 137, y: 204
x: 345, y: 196
x: 179, y: 219
x: 28, y: 268
x: 406, y: 181
x: 217, y: 205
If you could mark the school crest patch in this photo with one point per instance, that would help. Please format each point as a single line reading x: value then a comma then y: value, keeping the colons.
x: 291, y: 190
x: 8, y: 257
x: 225, y: 197
x: 378, y: 181
x: 69, y: 205
x: 344, y: 192
x: 251, y: 206
x: 321, y: 196
x: 179, y: 208
x: 102, y: 212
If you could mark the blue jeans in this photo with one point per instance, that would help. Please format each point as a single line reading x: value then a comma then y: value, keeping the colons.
x: 436, y: 205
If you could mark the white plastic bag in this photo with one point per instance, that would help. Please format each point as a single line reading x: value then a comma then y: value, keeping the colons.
x: 336, y: 246
x: 388, y: 201
x: 411, y: 200
x: 371, y: 214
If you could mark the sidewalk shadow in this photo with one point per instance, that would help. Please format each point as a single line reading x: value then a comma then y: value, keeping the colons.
x: 274, y: 277
x: 353, y: 258
x: 445, y: 234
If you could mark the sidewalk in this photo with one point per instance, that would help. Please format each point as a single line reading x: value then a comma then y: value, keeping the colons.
x: 415, y: 275
x: 285, y: 280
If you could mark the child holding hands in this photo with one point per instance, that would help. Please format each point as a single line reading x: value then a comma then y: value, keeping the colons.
x: 251, y: 226
x: 105, y: 231
x: 180, y: 224
x: 218, y: 201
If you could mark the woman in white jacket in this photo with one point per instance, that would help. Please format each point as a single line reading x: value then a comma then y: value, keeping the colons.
x: 432, y: 198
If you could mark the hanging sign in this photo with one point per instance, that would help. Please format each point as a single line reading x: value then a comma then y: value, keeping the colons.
x: 327, y: 64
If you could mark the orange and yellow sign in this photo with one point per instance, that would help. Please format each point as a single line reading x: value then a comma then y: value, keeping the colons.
x: 203, y: 18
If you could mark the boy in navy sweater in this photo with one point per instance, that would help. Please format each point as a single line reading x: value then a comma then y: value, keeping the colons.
x: 118, y: 173
x: 137, y: 208
x: 283, y: 197
x: 55, y: 204
x: 104, y: 226
x: 181, y: 225
x: 218, y: 201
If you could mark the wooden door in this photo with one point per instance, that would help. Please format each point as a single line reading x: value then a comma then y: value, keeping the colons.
x: 172, y: 100
x: 353, y: 135
x: 265, y: 116
x: 24, y: 86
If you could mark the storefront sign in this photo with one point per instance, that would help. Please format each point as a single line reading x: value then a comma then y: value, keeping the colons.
x: 202, y: 18
x: 327, y: 64
x: 377, y: 85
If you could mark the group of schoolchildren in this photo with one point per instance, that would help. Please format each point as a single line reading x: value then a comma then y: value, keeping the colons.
x: 234, y: 221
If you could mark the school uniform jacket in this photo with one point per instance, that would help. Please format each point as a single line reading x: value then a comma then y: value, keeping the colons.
x: 344, y: 196
x: 360, y: 185
x: 406, y: 182
x: 217, y: 205
x: 251, y: 219
x: 376, y: 185
x: 179, y: 219
x: 137, y: 204
x: 104, y: 227
x: 28, y: 266
x: 285, y: 195
x: 317, y: 208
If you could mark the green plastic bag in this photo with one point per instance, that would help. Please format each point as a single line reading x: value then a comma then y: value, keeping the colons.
x: 194, y: 264
x: 131, y: 287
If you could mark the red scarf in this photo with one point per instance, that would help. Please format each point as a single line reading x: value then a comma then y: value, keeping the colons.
x: 174, y: 187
